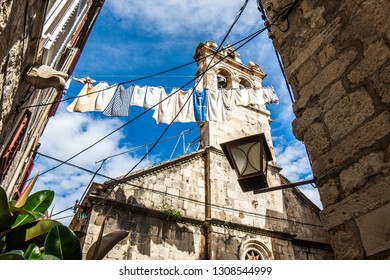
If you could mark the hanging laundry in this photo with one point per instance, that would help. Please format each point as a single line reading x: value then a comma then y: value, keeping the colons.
x: 256, y: 97
x: 200, y: 105
x: 229, y: 98
x: 86, y: 80
x: 120, y: 102
x: 216, y: 109
x: 104, y: 97
x: 184, y: 106
x: 165, y: 111
x: 152, y: 96
x: 86, y: 99
x: 138, y: 97
x: 242, y: 97
x: 270, y: 95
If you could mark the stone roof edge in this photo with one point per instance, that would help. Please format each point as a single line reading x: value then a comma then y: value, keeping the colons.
x: 301, y: 196
x: 163, y: 166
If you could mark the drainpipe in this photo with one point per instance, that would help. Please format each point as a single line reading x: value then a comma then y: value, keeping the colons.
x: 206, y: 223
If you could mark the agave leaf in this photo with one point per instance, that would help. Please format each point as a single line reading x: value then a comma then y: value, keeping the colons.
x: 38, y: 202
x: 26, y: 192
x: 62, y: 243
x: 5, y: 215
x: 21, y: 237
x: 98, y: 252
x: 33, y: 253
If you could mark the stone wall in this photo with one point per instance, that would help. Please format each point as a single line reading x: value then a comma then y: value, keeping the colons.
x: 336, y: 58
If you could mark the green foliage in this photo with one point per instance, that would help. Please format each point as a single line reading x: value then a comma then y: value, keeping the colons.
x: 63, y: 243
x: 172, y: 214
x: 26, y: 235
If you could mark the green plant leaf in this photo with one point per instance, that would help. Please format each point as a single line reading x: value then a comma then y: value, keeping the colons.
x: 49, y: 257
x: 5, y: 214
x: 33, y: 253
x: 107, y: 243
x: 38, y: 202
x: 80, y: 234
x: 21, y: 237
x: 62, y: 243
x: 16, y: 211
x: 11, y: 256
x: 93, y: 252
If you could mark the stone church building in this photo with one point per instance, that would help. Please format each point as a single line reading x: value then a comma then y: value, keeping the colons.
x: 193, y: 207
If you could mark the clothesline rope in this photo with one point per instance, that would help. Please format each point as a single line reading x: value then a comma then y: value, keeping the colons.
x: 155, y: 74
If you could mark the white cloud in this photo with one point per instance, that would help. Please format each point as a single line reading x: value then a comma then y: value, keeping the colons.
x: 177, y: 17
x: 292, y: 157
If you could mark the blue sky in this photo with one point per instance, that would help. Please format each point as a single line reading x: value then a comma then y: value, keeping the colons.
x: 132, y: 39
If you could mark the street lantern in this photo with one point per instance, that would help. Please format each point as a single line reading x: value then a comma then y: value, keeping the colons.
x: 249, y: 157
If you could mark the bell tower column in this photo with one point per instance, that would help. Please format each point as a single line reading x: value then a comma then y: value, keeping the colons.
x: 231, y: 74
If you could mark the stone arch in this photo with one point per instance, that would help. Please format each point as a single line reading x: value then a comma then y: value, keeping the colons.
x: 224, y: 78
x: 244, y: 83
x: 254, y: 249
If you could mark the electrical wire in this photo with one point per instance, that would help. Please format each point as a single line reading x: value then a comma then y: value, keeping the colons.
x: 215, y: 206
x: 138, y: 79
x: 197, y: 82
x: 248, y: 39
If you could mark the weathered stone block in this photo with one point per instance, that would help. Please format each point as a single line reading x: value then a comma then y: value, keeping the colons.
x: 374, y: 229
x: 356, y: 175
x: 381, y: 83
x: 327, y: 54
x: 316, y: 140
x: 375, y: 194
x: 327, y: 76
x: 335, y: 93
x: 374, y: 57
x: 329, y: 193
x: 378, y: 129
x: 348, y: 114
x: 302, y: 123
x: 307, y: 71
x: 347, y: 241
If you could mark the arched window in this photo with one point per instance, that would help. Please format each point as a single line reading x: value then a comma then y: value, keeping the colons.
x: 224, y: 79
x: 244, y: 83
x: 253, y: 249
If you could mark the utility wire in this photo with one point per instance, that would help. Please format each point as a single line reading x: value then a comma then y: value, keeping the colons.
x: 248, y: 39
x: 184, y: 132
x: 208, y: 67
x: 137, y: 79
x: 197, y: 82
x: 215, y: 206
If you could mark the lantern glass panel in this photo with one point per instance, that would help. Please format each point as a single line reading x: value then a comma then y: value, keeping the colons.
x: 247, y: 159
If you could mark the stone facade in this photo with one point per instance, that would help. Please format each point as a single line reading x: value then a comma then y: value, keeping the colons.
x: 336, y: 58
x: 39, y: 48
x: 215, y: 218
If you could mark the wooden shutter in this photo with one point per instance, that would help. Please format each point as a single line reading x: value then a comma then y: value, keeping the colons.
x: 14, y: 145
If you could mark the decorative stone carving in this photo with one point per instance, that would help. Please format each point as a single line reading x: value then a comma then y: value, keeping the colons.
x: 43, y: 76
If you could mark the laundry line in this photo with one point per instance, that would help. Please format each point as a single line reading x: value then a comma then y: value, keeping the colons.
x: 208, y: 105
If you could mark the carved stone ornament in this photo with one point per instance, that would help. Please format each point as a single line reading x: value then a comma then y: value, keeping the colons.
x: 43, y: 76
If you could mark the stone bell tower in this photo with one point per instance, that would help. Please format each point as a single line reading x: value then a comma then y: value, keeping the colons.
x: 230, y: 73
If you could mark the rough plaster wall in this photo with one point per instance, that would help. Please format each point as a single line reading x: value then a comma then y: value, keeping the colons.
x: 336, y: 57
